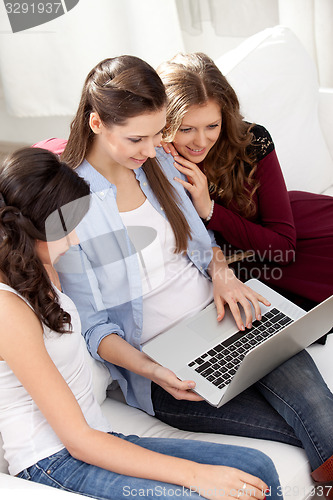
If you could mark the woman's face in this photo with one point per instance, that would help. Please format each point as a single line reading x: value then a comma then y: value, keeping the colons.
x: 199, y: 131
x: 131, y: 144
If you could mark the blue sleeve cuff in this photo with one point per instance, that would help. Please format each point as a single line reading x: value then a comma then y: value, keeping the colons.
x: 212, y: 238
x: 94, y: 336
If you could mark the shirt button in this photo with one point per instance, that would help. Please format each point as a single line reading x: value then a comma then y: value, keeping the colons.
x: 48, y: 471
x: 200, y: 268
x: 162, y: 209
x: 102, y: 193
x: 192, y: 253
x: 144, y: 184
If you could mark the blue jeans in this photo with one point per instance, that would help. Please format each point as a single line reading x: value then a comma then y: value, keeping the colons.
x: 63, y: 471
x: 292, y: 404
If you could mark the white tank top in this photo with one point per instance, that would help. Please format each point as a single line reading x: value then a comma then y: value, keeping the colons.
x: 26, y: 434
x: 172, y: 287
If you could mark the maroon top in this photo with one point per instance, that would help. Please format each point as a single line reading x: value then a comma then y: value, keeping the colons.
x: 273, y: 226
x: 284, y: 222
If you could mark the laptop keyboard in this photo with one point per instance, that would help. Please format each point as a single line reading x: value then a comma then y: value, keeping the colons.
x: 219, y: 364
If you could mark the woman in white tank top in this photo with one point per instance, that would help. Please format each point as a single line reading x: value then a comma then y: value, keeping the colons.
x: 52, y: 427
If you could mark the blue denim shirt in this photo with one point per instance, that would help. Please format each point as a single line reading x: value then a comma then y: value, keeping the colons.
x: 102, y: 274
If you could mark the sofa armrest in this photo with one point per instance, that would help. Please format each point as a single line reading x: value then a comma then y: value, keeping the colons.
x: 325, y: 111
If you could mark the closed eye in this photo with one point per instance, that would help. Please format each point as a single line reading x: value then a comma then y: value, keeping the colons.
x: 188, y: 129
x: 138, y: 139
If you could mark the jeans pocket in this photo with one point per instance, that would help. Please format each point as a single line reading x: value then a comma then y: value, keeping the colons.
x: 51, y: 463
x: 24, y: 475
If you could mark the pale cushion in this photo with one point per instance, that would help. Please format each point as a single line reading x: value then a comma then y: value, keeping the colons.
x: 329, y: 191
x: 14, y: 488
x: 276, y: 82
x: 130, y: 420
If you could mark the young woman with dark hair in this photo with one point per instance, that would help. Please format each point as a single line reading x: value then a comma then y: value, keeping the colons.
x: 52, y: 427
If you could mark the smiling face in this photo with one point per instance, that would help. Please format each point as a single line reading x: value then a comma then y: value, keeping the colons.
x: 131, y: 144
x: 199, y: 131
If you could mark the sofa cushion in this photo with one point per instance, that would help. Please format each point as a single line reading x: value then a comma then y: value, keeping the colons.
x: 329, y: 191
x: 276, y: 82
x: 128, y: 420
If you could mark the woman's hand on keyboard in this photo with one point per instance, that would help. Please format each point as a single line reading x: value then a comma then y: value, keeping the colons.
x: 228, y: 289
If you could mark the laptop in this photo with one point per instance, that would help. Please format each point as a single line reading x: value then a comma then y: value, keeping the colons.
x: 224, y: 361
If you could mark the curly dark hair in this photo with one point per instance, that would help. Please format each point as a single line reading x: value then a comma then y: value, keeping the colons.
x: 36, y: 191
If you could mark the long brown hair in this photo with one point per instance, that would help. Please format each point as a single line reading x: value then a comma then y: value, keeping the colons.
x: 35, y: 189
x: 117, y: 89
x: 193, y: 79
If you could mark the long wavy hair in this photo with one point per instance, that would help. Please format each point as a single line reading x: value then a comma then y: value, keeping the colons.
x: 36, y: 191
x: 117, y: 89
x: 194, y: 79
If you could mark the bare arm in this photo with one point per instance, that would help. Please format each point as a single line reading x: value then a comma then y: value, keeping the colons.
x: 119, y: 352
x: 22, y: 347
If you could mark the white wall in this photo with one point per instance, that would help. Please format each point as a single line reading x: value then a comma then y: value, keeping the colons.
x: 31, y: 130
x: 209, y: 42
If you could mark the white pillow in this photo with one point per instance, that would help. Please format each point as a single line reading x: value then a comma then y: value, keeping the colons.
x: 276, y: 83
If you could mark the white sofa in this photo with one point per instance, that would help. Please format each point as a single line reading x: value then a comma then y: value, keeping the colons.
x: 277, y: 86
